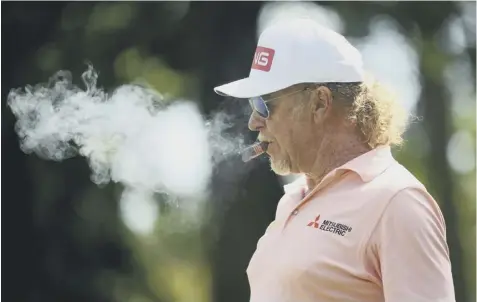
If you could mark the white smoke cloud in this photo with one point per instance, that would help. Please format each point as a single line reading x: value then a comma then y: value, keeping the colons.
x: 130, y: 136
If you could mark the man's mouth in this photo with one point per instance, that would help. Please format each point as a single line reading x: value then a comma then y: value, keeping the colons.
x: 265, y: 141
x: 269, y: 143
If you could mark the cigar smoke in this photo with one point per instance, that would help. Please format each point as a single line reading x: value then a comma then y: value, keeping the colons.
x: 131, y: 136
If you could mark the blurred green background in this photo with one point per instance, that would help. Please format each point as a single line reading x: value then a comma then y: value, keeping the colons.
x: 65, y: 239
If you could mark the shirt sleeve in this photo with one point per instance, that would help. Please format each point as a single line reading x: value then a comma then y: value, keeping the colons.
x: 413, y: 256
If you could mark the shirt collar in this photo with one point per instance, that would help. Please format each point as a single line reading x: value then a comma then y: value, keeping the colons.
x: 368, y: 166
x: 297, y: 184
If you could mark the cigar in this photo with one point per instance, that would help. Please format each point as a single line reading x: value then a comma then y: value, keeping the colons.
x: 254, y: 151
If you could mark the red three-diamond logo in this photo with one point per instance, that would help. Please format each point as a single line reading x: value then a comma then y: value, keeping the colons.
x: 314, y: 223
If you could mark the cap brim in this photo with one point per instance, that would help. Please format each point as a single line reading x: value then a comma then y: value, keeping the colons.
x: 247, y: 88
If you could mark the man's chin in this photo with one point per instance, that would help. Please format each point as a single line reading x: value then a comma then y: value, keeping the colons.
x: 280, y: 167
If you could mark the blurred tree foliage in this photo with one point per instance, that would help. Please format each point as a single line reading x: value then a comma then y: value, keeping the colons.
x: 64, y: 238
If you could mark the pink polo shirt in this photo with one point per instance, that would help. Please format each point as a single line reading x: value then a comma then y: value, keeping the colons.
x: 368, y: 232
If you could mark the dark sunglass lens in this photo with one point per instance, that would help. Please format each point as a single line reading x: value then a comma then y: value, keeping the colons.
x: 259, y: 105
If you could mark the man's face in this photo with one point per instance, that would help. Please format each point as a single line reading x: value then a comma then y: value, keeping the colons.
x: 293, y: 129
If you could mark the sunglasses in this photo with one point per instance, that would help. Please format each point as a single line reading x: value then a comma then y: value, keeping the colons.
x: 259, y: 104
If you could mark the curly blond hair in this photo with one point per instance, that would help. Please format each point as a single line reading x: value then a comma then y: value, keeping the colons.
x: 373, y: 108
x: 379, y: 116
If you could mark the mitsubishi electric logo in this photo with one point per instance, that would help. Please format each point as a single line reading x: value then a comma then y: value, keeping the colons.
x: 263, y: 58
x: 329, y: 226
x: 315, y: 223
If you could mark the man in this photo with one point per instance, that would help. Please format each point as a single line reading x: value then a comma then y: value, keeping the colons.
x: 357, y: 226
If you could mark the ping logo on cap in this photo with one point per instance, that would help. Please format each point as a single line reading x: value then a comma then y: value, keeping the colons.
x: 262, y: 60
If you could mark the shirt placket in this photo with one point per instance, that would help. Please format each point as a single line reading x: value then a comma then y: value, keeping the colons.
x: 328, y: 180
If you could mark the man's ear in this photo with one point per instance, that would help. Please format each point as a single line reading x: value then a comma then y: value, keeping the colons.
x: 322, y: 100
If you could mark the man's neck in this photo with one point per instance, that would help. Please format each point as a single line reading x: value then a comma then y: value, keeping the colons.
x: 334, y: 151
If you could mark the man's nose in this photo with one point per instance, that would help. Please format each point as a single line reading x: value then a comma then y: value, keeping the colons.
x: 256, y: 122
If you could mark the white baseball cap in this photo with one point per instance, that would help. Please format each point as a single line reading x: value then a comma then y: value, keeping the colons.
x: 297, y: 51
